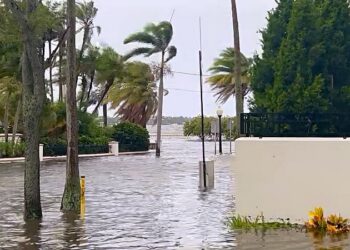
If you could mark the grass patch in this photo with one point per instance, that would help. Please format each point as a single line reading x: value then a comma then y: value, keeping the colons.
x: 247, y: 223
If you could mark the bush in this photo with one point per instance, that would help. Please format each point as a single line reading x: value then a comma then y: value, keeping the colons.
x: 9, y: 149
x: 87, y: 145
x: 131, y: 137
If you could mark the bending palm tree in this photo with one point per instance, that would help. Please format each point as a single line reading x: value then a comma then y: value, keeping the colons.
x: 109, y: 66
x: 237, y: 72
x: 135, y: 98
x: 222, y: 80
x: 157, y: 38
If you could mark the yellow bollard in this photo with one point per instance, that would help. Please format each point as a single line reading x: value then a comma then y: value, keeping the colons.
x: 82, y: 186
x: 82, y: 197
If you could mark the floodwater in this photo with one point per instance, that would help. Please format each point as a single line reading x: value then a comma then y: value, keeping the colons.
x: 140, y: 202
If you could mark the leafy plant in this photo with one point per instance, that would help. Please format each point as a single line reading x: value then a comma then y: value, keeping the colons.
x: 259, y: 222
x: 131, y: 137
x: 333, y: 224
x: 317, y: 220
x: 9, y: 149
x: 337, y: 224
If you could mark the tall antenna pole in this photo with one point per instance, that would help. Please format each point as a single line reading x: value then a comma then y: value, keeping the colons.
x: 172, y: 15
x: 202, y: 109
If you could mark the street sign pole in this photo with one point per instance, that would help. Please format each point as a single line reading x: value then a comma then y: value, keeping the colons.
x: 230, y: 127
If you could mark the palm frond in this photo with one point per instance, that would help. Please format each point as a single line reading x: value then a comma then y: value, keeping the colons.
x: 222, y: 75
x: 135, y: 97
x: 138, y: 51
x: 172, y: 52
x: 142, y: 37
x: 165, y: 32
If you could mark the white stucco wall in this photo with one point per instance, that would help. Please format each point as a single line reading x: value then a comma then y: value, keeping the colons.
x: 287, y: 177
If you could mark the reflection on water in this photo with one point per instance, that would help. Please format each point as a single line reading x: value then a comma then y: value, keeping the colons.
x: 140, y: 202
x: 73, y: 233
x: 31, y: 234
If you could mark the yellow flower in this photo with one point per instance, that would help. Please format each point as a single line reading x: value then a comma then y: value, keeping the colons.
x: 336, y: 224
x: 332, y: 229
x: 316, y: 213
x: 316, y: 220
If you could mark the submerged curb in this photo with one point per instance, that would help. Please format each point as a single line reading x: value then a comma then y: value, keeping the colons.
x: 84, y: 156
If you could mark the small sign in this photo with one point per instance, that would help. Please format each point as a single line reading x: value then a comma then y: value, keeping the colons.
x: 215, y: 126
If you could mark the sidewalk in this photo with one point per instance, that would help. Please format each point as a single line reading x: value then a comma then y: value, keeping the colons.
x: 63, y: 158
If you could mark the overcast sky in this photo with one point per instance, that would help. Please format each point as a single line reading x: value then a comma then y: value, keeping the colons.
x: 119, y: 18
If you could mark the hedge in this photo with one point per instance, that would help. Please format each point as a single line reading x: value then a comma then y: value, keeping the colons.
x: 131, y: 137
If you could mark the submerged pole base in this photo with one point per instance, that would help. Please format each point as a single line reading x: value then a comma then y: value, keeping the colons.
x: 209, y: 172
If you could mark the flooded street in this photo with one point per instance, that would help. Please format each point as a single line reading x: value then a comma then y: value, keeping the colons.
x: 132, y: 202
x: 140, y: 202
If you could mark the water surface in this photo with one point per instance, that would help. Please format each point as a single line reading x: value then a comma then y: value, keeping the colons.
x: 140, y: 202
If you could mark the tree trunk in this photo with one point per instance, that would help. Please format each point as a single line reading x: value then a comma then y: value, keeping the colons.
x: 87, y: 101
x: 238, y: 70
x: 50, y: 73
x: 105, y: 118
x: 83, y: 91
x: 160, y: 107
x: 71, y: 195
x: 31, y: 131
x: 6, y: 119
x: 104, y: 93
x: 60, y: 81
x: 83, y: 46
x: 15, y: 123
x: 33, y: 80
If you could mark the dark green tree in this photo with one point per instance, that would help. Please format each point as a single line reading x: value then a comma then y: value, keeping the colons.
x: 304, y: 67
x: 263, y: 71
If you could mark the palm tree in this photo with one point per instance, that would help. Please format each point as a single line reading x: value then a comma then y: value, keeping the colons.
x: 109, y: 66
x: 71, y: 194
x: 88, y: 75
x: 238, y: 64
x: 222, y: 79
x: 157, y: 38
x: 86, y: 13
x: 135, y: 97
x: 10, y: 92
x: 10, y: 86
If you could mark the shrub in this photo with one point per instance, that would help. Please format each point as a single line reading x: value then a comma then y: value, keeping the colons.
x: 9, y: 149
x: 131, y: 137
x: 87, y: 145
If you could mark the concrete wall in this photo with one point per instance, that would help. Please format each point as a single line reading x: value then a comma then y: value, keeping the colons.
x: 287, y: 177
